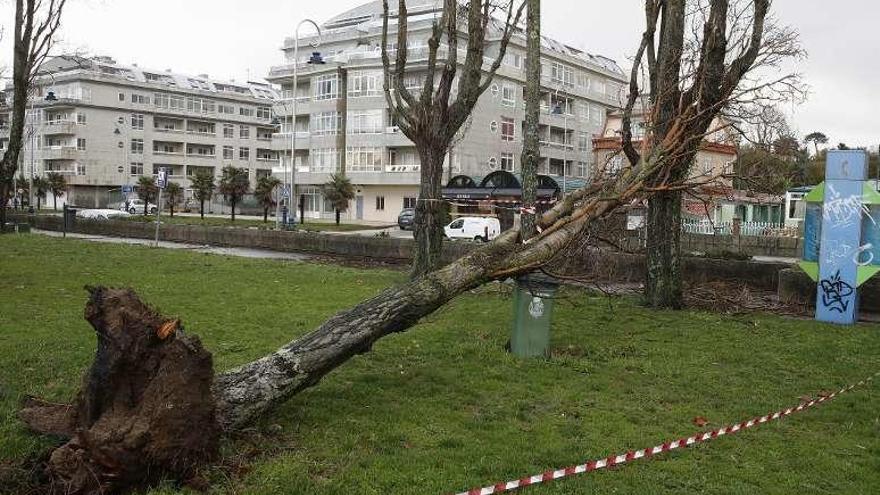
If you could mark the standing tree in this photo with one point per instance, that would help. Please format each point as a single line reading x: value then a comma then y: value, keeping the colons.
x: 173, y: 195
x: 430, y: 116
x: 41, y: 189
x: 234, y: 184
x: 203, y: 189
x: 57, y: 185
x: 265, y: 193
x: 340, y: 192
x: 816, y: 138
x: 161, y: 364
x: 147, y: 191
x: 701, y: 58
x: 531, y: 154
x: 35, y: 25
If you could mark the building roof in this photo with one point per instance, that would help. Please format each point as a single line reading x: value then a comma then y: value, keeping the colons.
x: 109, y: 67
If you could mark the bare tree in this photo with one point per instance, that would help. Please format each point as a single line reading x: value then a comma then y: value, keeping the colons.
x: 703, y: 58
x: 36, y: 24
x: 432, y: 116
x: 531, y: 149
x: 242, y: 395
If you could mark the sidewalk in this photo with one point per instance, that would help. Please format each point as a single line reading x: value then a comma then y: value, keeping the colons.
x: 223, y: 251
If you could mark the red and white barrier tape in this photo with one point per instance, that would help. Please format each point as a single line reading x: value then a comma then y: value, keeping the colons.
x: 699, y: 437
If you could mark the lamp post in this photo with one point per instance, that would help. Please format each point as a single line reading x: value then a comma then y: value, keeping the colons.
x: 314, y: 59
x: 50, y: 96
x: 557, y: 109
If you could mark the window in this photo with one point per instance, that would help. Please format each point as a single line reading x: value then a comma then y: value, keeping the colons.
x: 457, y: 224
x: 324, y: 160
x: 226, y: 109
x: 596, y: 115
x: 507, y: 162
x: 137, y: 121
x: 364, y: 83
x: 508, y: 95
x: 493, y: 163
x: 599, y: 87
x: 140, y: 99
x: 246, y: 111
x: 582, y: 169
x: 583, y: 110
x: 80, y: 118
x: 513, y: 59
x: 325, y: 123
x: 264, y: 113
x: 171, y: 102
x: 364, y: 159
x: 366, y: 122
x: 409, y: 202
x: 228, y: 152
x: 137, y: 168
x: 137, y: 146
x: 327, y: 87
x: 228, y: 131
x: 562, y: 73
x: 707, y: 166
x: 121, y: 96
x: 244, y: 132
x: 583, y: 141
x: 244, y: 153
x: 380, y: 203
x: 508, y: 129
x: 81, y: 144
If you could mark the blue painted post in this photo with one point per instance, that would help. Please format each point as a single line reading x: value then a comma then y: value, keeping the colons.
x: 812, y: 231
x: 841, y: 237
x: 871, y: 237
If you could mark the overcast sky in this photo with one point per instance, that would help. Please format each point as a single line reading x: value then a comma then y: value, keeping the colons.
x: 241, y: 38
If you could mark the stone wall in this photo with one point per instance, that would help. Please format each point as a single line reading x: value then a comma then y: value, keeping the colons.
x: 783, y: 247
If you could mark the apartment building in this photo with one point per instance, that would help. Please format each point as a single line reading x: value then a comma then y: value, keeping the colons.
x: 342, y: 119
x: 103, y: 125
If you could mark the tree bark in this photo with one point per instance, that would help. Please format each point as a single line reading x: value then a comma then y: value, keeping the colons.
x: 429, y: 215
x: 232, y: 204
x: 202, y: 208
x: 531, y: 146
x: 337, y: 216
x: 663, y: 287
x: 265, y: 215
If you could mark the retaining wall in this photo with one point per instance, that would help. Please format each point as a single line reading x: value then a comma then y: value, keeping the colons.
x: 796, y: 286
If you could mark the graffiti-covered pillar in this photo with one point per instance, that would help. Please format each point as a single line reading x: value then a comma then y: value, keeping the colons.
x: 839, y: 230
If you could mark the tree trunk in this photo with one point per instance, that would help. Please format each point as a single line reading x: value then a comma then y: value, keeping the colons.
x: 265, y: 215
x: 146, y: 207
x: 337, y: 217
x: 531, y: 148
x: 232, y: 203
x: 171, y: 209
x: 428, y: 225
x: 4, y: 199
x: 663, y: 279
x: 54, y: 202
x: 202, y: 208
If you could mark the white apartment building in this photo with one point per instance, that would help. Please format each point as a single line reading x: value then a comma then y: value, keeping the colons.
x: 342, y: 117
x: 103, y: 125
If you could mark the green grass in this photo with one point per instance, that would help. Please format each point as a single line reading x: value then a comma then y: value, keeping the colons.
x: 244, y: 223
x: 443, y: 408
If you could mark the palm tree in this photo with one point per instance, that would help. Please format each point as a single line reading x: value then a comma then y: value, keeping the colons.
x: 264, y: 193
x: 41, y: 188
x: 57, y: 185
x: 339, y: 191
x: 234, y: 184
x: 147, y: 191
x: 203, y: 189
x: 173, y: 193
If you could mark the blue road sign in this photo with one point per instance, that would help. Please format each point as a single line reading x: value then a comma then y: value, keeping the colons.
x: 127, y: 189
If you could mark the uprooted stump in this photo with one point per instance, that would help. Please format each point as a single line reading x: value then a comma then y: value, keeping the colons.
x: 145, y: 411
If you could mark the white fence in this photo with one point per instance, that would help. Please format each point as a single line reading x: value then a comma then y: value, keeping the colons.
x: 753, y: 229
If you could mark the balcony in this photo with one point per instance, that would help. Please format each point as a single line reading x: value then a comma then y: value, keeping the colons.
x: 398, y: 169
x: 61, y: 153
x: 557, y: 145
x: 173, y: 130
x: 201, y: 155
x: 59, y: 127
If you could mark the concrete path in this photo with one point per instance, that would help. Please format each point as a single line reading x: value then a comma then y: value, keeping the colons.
x: 224, y: 251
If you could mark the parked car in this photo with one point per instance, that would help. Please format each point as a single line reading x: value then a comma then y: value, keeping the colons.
x: 100, y: 214
x: 136, y: 206
x: 406, y: 219
x: 482, y: 229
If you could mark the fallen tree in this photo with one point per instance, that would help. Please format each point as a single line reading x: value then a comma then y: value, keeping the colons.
x: 140, y: 352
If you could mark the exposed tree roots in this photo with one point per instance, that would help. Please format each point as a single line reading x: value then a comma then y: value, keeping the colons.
x: 145, y: 411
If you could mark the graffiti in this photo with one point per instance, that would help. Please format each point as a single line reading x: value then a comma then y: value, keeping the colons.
x: 536, y: 307
x: 844, y: 211
x: 857, y: 255
x: 836, y: 293
x: 839, y: 252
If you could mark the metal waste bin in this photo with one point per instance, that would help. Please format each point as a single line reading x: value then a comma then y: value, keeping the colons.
x: 532, y: 313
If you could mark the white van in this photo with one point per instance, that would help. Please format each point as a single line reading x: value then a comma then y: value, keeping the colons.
x: 477, y: 228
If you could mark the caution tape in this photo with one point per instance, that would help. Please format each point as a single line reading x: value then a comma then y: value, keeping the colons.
x: 700, y: 437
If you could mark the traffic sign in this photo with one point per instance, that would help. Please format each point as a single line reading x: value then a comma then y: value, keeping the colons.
x: 162, y: 178
x: 127, y: 188
x: 285, y: 191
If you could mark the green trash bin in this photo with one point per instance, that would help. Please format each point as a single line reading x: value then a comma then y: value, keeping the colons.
x: 532, y: 314
x: 24, y: 228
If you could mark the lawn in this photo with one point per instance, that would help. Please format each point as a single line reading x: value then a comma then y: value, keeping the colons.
x: 443, y: 407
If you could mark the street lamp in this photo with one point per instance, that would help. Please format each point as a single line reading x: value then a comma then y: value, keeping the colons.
x: 556, y: 110
x: 50, y: 97
x: 314, y: 59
